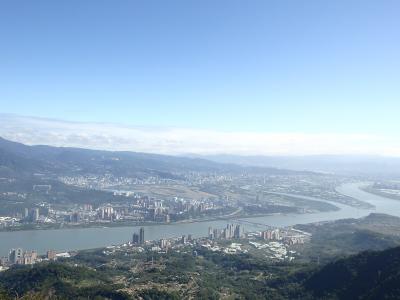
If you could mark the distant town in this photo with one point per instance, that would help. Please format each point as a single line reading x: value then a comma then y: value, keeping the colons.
x: 136, y: 208
x: 107, y: 200
x: 274, y: 242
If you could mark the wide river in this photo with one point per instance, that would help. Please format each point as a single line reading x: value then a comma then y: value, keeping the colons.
x: 86, y: 238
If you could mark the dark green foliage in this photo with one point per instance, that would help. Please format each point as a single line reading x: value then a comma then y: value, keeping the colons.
x: 350, y: 236
x: 60, y: 280
x: 23, y: 279
x: 3, y: 294
x: 368, y: 275
x: 154, y: 294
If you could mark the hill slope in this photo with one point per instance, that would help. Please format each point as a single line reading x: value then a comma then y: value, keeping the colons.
x: 16, y: 158
x: 368, y: 275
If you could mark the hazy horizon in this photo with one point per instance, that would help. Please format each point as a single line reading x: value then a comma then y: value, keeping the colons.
x: 186, y: 141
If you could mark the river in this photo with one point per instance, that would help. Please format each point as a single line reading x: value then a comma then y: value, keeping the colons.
x: 86, y: 238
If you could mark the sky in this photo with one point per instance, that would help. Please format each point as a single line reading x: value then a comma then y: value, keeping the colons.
x: 317, y: 69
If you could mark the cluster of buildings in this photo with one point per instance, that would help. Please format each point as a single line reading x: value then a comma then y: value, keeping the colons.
x: 271, y: 235
x: 277, y: 240
x: 7, y: 222
x: 109, y: 181
x: 159, y: 246
x: 139, y: 244
x: 132, y: 207
x: 136, y: 208
x: 164, y: 244
x: 18, y: 256
x: 274, y: 243
x: 232, y: 231
x: 138, y: 238
x: 31, y: 215
x: 288, y: 236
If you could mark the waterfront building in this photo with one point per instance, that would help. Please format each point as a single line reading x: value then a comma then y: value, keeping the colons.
x: 237, y: 232
x: 51, y: 255
x: 164, y: 243
x: 135, y: 238
x: 35, y: 214
x: 29, y: 257
x: 216, y: 233
x: 4, y: 261
x: 271, y: 235
x: 26, y: 213
x: 210, y: 233
x: 16, y: 256
x: 183, y: 239
x: 141, y: 235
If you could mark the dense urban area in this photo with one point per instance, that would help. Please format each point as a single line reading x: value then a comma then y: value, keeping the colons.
x: 108, y: 200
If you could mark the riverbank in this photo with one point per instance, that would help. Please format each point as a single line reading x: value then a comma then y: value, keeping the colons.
x: 34, y: 227
x: 238, y: 213
x: 371, y: 190
x: 87, y: 238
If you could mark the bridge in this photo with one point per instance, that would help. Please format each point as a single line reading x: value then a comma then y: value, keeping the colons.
x: 255, y: 224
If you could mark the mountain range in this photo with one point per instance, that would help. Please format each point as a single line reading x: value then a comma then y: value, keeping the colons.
x: 364, y: 165
x: 17, y: 158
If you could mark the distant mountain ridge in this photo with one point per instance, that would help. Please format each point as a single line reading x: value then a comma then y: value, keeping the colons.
x: 18, y: 158
x: 336, y: 164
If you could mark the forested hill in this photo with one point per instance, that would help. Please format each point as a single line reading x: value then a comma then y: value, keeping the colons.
x: 16, y: 158
x: 368, y: 275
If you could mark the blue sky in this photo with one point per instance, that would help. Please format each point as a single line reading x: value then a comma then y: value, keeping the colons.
x: 260, y: 66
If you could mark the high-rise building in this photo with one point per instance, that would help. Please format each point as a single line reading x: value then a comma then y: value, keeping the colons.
x: 141, y: 235
x: 276, y: 234
x: 135, y: 239
x: 51, y: 255
x: 26, y: 213
x: 35, y: 214
x: 210, y: 233
x: 229, y: 231
x: 16, y: 256
x: 216, y: 233
x: 164, y: 244
x: 4, y: 261
x: 108, y: 212
x: 237, y: 232
x: 29, y: 257
x: 271, y: 234
x: 75, y: 217
x: 88, y: 207
x: 183, y: 239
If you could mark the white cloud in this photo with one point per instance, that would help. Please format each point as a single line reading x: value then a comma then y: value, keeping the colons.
x: 33, y: 131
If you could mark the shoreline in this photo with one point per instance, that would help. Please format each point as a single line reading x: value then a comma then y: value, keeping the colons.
x: 189, y: 221
x: 149, y: 223
x: 369, y: 189
x: 71, y: 240
x: 234, y: 215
